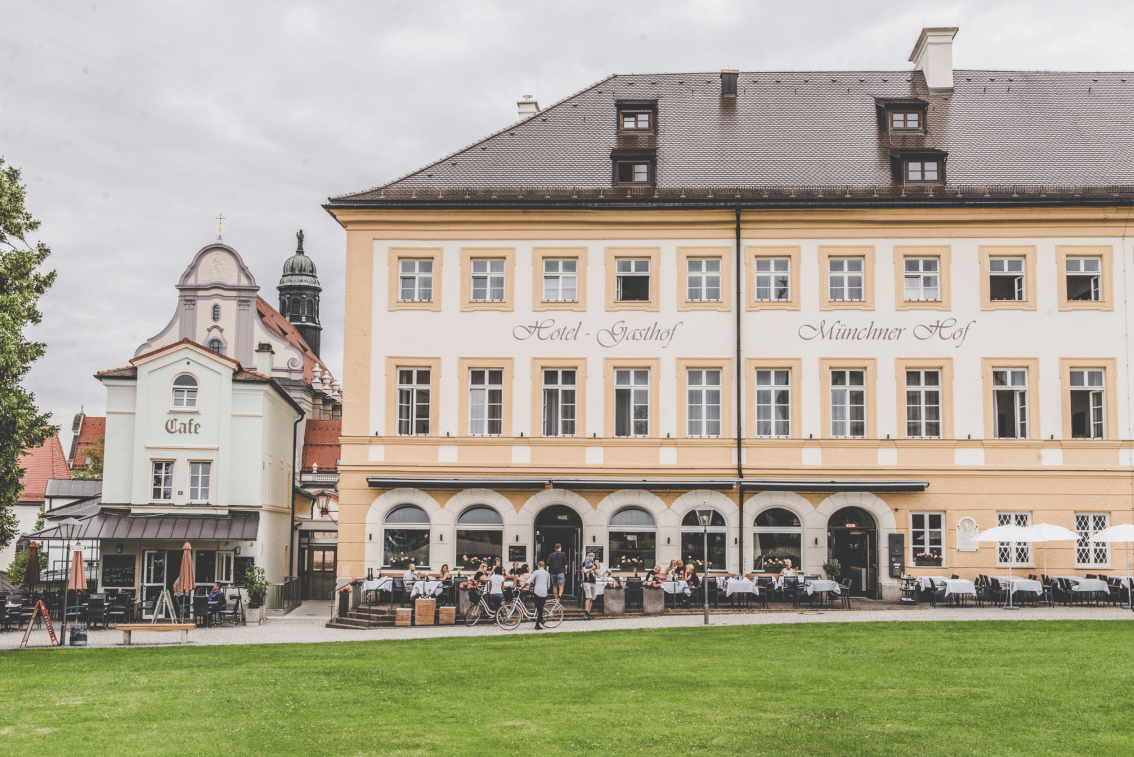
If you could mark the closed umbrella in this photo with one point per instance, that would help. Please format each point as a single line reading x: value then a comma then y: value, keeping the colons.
x: 185, y: 582
x: 78, y: 581
x: 1009, y: 532
x: 31, y: 571
x: 1046, y: 532
x: 1123, y: 532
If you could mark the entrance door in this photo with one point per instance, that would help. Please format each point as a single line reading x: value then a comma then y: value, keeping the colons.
x: 320, y: 566
x: 852, y: 539
x: 153, y: 579
x: 560, y: 524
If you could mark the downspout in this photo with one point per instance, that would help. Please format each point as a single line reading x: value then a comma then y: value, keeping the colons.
x: 293, y: 557
x: 739, y: 377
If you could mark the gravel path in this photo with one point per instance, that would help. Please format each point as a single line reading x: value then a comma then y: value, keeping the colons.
x: 306, y: 625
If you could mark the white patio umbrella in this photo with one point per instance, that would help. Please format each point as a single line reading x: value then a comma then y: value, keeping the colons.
x: 1046, y: 532
x: 1123, y: 532
x: 1008, y: 533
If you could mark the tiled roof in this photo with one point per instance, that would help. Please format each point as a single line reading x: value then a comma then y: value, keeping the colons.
x: 127, y: 372
x: 321, y: 444
x: 282, y: 327
x: 40, y: 465
x: 91, y: 428
x: 791, y: 130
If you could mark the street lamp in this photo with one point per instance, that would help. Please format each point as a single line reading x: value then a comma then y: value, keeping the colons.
x: 705, y: 517
x: 67, y: 530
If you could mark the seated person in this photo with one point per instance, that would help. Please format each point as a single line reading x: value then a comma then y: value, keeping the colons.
x: 217, y: 601
x: 654, y: 578
x: 787, y: 571
x: 410, y: 576
x: 495, y: 590
x: 515, y: 571
x: 691, y: 576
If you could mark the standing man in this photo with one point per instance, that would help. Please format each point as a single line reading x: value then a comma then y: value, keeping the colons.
x: 557, y: 567
x: 590, y: 569
x: 538, y: 582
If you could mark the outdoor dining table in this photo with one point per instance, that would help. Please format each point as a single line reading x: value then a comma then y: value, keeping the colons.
x: 740, y: 586
x: 1087, y: 584
x: 384, y: 583
x: 424, y: 588
x: 1022, y: 584
x: 675, y: 587
x: 1126, y: 581
x: 926, y: 583
x: 601, y: 584
x: 822, y: 584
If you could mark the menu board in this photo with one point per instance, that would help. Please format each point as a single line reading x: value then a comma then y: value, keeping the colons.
x: 517, y: 553
x: 240, y: 568
x: 118, y: 571
x: 593, y: 548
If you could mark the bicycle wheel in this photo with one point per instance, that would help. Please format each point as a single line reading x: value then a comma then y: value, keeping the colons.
x: 473, y: 615
x: 553, y: 615
x: 509, y: 616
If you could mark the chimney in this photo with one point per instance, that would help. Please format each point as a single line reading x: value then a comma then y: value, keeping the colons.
x: 528, y: 107
x: 933, y: 56
x: 264, y: 354
x: 728, y: 82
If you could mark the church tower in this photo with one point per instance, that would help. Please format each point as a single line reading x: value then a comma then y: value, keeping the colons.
x: 299, y: 295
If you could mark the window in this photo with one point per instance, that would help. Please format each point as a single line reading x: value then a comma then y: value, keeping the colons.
x: 405, y: 538
x: 215, y: 346
x: 184, y: 392
x: 1013, y: 552
x: 693, y: 541
x: 703, y: 401
x: 773, y: 402
x: 488, y: 280
x: 216, y: 312
x: 199, y: 477
x: 922, y: 280
x: 558, y: 402
x: 486, y: 402
x: 777, y: 536
x: 204, y: 567
x: 848, y: 403
x: 635, y: 120
x: 224, y: 567
x: 927, y: 539
x: 703, y: 279
x: 773, y: 279
x: 1010, y: 403
x: 632, y: 402
x: 845, y: 279
x: 1090, y: 554
x: 1084, y: 279
x: 560, y: 280
x: 415, y: 280
x: 905, y: 120
x: 633, y: 540
x: 632, y: 280
x: 1088, y: 414
x: 162, y: 490
x: 413, y: 401
x: 923, y: 404
x: 480, y: 537
x: 634, y: 172
x: 923, y: 171
x: 1006, y: 279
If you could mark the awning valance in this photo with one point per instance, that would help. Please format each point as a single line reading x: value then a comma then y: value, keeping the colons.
x: 831, y: 485
x: 232, y: 527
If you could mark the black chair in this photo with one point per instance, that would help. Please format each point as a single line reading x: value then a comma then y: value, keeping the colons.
x: 937, y: 593
x: 96, y: 612
x: 201, y: 611
x: 119, y: 609
x: 633, y: 592
x: 765, y: 587
x: 11, y: 611
x: 398, y: 586
x: 791, y: 589
x: 232, y: 610
x: 844, y: 594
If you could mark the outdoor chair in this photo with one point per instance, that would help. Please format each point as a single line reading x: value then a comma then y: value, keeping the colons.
x: 118, y: 611
x: 201, y: 611
x: 232, y: 611
x: 844, y: 594
x: 96, y: 612
x: 954, y: 577
x: 791, y: 589
x: 1056, y: 593
x: 398, y: 586
x: 11, y: 611
x: 997, y: 593
x: 633, y: 592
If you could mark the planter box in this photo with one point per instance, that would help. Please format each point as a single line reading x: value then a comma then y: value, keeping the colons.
x: 424, y: 612
x: 254, y: 617
x: 355, y: 596
x: 463, y: 602
x: 927, y: 563
x: 653, y: 601
x: 614, y: 602
x: 403, y: 616
x: 446, y: 616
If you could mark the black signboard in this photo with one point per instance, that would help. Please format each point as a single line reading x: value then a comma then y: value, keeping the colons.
x: 240, y: 567
x: 593, y: 548
x: 517, y: 553
x: 118, y: 571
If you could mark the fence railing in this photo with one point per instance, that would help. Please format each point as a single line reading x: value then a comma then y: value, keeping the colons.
x: 284, y: 596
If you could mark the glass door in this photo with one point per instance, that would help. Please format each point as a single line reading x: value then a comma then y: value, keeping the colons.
x: 153, y: 580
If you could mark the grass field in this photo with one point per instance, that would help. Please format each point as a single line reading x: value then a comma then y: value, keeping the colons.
x: 926, y: 688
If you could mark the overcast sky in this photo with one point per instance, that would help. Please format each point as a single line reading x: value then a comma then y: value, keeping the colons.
x: 136, y: 123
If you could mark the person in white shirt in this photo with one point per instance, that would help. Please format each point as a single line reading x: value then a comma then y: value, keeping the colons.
x: 409, y: 577
x: 539, y: 581
x: 495, y: 590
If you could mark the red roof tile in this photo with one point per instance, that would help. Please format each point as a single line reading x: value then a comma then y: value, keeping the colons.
x: 282, y: 327
x: 41, y: 464
x: 321, y: 444
x: 90, y: 430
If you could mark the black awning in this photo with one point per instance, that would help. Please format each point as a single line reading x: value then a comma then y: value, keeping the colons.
x: 668, y: 484
x: 832, y: 485
x: 232, y: 527
x: 451, y: 482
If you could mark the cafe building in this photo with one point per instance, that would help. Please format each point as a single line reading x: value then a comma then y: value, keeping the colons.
x: 860, y: 315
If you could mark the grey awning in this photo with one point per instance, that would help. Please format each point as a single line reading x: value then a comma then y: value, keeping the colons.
x: 667, y: 484
x: 832, y: 485
x: 449, y: 482
x: 232, y: 527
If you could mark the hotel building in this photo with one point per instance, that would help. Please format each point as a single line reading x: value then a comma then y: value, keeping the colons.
x: 861, y: 315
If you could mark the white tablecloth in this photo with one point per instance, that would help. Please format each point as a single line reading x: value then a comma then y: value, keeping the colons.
x: 740, y: 586
x: 1126, y: 580
x: 675, y: 587
x: 778, y: 583
x: 385, y: 583
x: 601, y: 584
x: 925, y: 583
x: 425, y: 588
x: 822, y: 585
x: 960, y: 586
x: 1022, y: 584
x: 1087, y: 584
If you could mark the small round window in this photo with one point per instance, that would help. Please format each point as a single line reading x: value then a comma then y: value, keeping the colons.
x: 184, y: 392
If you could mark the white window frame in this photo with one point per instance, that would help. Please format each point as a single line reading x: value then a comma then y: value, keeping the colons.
x: 185, y: 397
x: 843, y: 403
x: 1002, y: 266
x: 200, y: 480
x: 558, y: 281
x: 558, y: 398
x: 842, y: 276
x: 922, y: 280
x: 632, y: 395
x: 488, y: 279
x: 1097, y: 554
x: 411, y: 401
x: 702, y: 387
x: 905, y: 120
x: 1090, y: 381
x: 773, y: 402
x: 928, y: 532
x: 225, y: 562
x: 923, y: 171
x: 919, y: 406
x: 773, y: 279
x: 1020, y: 550
x: 1080, y: 267
x: 626, y: 268
x: 165, y: 484
x: 415, y: 278
x: 1019, y: 391
x: 638, y: 120
x: 701, y: 273
x: 486, y: 401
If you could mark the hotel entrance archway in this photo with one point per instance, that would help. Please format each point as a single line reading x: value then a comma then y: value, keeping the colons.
x: 852, y: 539
x: 559, y: 524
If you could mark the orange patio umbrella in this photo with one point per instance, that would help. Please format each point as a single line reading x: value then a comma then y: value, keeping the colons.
x: 31, y: 572
x: 78, y: 581
x: 185, y: 582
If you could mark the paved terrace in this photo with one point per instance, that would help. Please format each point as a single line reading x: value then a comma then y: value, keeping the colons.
x: 307, y: 624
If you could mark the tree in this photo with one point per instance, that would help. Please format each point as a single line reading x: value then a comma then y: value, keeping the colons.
x: 22, y: 283
x: 95, y: 452
x: 19, y: 563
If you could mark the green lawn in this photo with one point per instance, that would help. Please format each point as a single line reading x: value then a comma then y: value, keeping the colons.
x: 922, y: 688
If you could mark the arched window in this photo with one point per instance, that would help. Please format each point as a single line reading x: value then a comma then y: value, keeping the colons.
x: 216, y: 346
x: 777, y: 536
x: 311, y: 308
x: 693, y: 541
x: 216, y: 312
x: 296, y: 308
x: 633, y: 540
x: 480, y: 537
x: 184, y: 392
x: 283, y: 308
x: 405, y: 537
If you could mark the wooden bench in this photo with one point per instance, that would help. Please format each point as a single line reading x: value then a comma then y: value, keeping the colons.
x: 126, y: 628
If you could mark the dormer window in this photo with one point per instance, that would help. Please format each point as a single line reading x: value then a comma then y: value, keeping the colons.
x: 905, y: 120
x: 637, y: 116
x: 634, y: 172
x: 636, y: 120
x: 901, y: 117
x: 923, y: 171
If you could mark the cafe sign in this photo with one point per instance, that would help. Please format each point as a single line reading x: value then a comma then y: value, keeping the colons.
x: 178, y: 426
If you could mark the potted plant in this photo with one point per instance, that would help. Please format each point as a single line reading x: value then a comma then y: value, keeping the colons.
x: 928, y: 559
x: 631, y: 564
x: 398, y: 560
x: 833, y: 568
x: 256, y: 587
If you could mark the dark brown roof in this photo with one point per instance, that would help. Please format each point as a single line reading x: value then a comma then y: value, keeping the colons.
x: 793, y: 131
x: 108, y: 525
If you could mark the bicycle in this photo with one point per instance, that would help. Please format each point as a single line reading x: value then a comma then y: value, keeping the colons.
x: 514, y: 612
x: 478, y: 607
